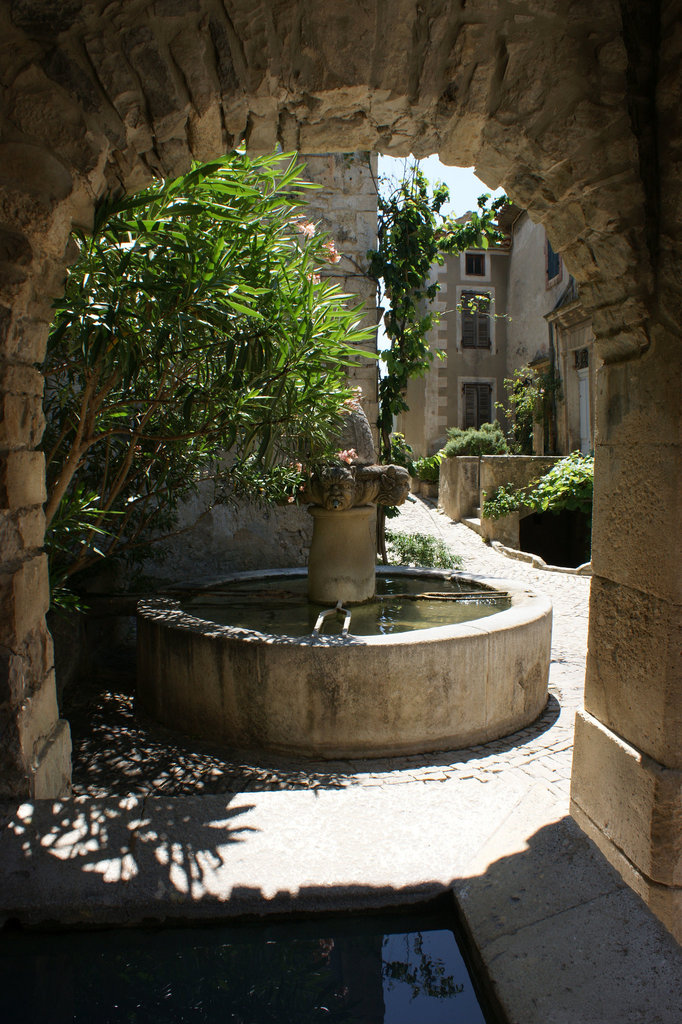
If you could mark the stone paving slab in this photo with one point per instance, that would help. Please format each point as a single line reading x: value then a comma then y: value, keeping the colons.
x: 169, y: 829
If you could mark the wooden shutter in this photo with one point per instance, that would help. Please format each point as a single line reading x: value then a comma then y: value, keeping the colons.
x: 469, y: 405
x: 468, y: 320
x: 484, y: 411
x: 483, y: 333
x: 475, y: 324
x: 553, y: 262
x: 478, y: 405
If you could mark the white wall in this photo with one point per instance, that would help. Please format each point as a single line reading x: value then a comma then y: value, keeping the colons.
x: 528, y: 297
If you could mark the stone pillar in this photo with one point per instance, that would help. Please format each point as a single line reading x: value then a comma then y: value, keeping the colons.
x: 627, y: 766
x: 35, y: 744
x: 342, y: 559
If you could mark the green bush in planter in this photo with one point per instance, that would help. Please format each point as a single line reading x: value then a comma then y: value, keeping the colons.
x: 487, y: 440
x: 567, y: 485
x: 428, y: 468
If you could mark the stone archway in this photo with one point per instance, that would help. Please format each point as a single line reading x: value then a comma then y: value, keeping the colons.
x: 574, y: 109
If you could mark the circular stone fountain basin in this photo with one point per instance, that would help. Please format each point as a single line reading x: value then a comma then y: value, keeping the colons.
x: 434, y: 688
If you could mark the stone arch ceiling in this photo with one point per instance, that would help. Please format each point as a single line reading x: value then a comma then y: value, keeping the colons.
x: 553, y: 100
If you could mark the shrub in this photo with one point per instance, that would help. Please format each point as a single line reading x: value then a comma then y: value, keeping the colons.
x: 488, y: 440
x: 198, y: 318
x: 428, y: 468
x: 567, y: 485
x: 504, y: 500
x: 422, y: 550
x: 531, y: 398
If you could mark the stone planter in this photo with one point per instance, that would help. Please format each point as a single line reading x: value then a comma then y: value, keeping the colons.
x: 428, y: 489
x: 458, y: 491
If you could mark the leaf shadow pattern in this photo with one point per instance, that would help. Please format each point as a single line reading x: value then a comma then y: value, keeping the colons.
x: 118, y: 749
x: 114, y: 849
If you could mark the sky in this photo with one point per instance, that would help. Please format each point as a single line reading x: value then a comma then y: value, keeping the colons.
x: 465, y: 187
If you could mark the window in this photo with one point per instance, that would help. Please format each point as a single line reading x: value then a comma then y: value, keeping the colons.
x: 475, y: 320
x: 474, y: 264
x: 477, y: 404
x: 553, y: 263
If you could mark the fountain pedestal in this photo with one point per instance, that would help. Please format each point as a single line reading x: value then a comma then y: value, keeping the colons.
x: 342, y: 560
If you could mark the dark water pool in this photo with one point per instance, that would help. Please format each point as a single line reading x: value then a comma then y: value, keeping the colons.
x: 279, y: 605
x: 362, y: 970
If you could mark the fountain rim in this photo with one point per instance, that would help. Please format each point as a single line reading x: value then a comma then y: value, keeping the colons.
x: 526, y: 606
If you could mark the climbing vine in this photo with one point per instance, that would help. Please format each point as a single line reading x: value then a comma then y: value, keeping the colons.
x: 413, y: 235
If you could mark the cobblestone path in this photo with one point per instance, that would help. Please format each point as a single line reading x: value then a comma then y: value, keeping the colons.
x: 117, y: 751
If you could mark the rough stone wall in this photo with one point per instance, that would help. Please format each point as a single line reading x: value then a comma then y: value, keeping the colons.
x: 346, y: 207
x: 575, y: 108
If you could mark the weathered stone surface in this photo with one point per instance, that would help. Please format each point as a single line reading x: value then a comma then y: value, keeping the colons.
x: 342, y: 487
x: 24, y: 600
x: 477, y: 681
x: 15, y: 256
x: 44, y: 16
x: 21, y: 420
x: 342, y: 557
x: 32, y: 169
x: 633, y: 682
x: 22, y: 479
x: 637, y: 507
x: 62, y: 69
x: 640, y: 811
x: 37, y: 717
x: 51, y: 769
x: 21, y: 531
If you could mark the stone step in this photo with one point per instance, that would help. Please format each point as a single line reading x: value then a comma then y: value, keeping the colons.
x: 474, y: 523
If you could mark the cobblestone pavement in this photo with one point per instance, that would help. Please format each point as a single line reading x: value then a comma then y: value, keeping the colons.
x: 117, y: 751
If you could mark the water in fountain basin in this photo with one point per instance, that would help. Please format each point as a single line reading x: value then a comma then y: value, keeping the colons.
x: 279, y: 605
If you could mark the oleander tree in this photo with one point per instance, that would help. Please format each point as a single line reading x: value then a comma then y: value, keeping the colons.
x: 198, y: 318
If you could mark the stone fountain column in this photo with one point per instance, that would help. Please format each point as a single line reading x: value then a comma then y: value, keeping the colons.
x: 342, y: 560
x: 343, y: 497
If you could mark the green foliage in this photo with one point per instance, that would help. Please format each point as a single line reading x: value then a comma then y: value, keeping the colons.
x: 531, y: 398
x: 567, y: 485
x: 402, y: 453
x: 420, y: 549
x: 196, y: 319
x: 504, y: 500
x: 412, y: 236
x: 488, y: 440
x: 428, y: 468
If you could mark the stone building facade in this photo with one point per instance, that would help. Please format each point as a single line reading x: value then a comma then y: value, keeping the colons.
x: 515, y: 283
x: 577, y: 362
x: 574, y: 108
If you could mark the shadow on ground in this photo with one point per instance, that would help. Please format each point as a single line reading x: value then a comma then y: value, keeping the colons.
x: 561, y: 936
x: 118, y: 749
